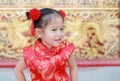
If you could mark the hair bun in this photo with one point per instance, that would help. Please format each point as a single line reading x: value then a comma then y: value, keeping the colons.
x: 34, y: 14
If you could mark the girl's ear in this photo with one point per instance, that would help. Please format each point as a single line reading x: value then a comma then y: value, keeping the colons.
x: 38, y: 32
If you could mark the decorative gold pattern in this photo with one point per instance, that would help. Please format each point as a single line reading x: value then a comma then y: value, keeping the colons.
x: 14, y: 28
x: 60, y: 3
x: 104, y: 23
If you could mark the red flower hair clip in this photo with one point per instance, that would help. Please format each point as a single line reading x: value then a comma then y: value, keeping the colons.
x: 34, y: 14
x: 62, y: 13
x: 32, y: 29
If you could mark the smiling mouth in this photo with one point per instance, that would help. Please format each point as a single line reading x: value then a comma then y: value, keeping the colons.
x: 58, y: 40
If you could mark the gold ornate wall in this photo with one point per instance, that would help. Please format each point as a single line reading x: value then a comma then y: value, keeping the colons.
x: 91, y: 24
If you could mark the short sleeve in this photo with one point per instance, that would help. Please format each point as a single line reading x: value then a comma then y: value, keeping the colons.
x: 28, y: 51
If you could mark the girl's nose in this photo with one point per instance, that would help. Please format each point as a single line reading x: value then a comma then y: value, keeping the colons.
x: 59, y: 33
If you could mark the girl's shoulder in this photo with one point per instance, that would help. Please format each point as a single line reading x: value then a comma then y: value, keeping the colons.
x: 28, y: 47
x: 66, y: 43
x: 29, y: 52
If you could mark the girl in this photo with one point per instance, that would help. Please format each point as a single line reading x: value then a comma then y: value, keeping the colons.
x: 47, y: 57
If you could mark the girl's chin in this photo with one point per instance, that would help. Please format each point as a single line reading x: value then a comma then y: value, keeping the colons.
x: 56, y: 44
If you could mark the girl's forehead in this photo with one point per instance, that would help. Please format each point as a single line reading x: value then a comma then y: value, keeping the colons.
x: 55, y: 19
x: 55, y: 23
x: 52, y: 19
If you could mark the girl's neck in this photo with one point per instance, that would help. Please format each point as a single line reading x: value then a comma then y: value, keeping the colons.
x: 47, y: 46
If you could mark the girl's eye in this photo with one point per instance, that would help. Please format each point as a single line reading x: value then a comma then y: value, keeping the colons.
x: 53, y: 29
x: 61, y: 28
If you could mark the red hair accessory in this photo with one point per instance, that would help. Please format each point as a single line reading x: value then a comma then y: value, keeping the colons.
x: 34, y: 14
x: 62, y: 13
x: 32, y: 29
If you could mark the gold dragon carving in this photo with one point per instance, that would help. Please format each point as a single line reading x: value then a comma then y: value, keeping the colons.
x: 93, y: 32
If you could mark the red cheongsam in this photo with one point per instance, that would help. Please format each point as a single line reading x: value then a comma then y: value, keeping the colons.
x: 48, y: 64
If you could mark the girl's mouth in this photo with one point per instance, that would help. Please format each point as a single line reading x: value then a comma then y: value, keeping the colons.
x: 58, y: 40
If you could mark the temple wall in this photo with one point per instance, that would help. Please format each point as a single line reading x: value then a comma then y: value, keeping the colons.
x: 102, y: 16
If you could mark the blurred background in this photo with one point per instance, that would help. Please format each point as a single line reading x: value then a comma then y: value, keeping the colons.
x: 92, y: 25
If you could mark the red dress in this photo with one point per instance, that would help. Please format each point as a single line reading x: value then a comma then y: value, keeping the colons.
x: 48, y: 64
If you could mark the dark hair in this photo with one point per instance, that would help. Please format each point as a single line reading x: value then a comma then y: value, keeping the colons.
x: 46, y: 15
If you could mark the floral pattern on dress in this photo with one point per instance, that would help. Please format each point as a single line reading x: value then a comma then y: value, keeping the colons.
x: 48, y: 64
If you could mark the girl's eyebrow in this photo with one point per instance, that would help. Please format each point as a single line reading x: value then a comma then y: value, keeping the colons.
x: 57, y: 26
x: 62, y: 26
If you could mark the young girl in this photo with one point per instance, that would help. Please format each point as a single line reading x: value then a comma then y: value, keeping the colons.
x: 47, y: 57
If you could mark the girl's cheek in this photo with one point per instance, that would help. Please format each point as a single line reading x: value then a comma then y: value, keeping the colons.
x: 63, y: 33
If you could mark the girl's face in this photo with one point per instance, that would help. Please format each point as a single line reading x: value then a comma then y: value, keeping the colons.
x: 53, y: 33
